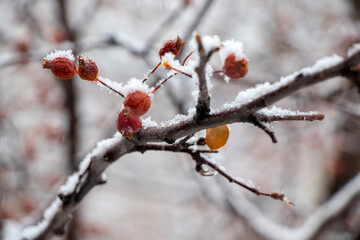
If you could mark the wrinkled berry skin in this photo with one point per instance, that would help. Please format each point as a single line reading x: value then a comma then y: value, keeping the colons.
x: 128, y: 124
x: 61, y: 67
x: 87, y: 69
x: 137, y: 103
x: 235, y: 69
x: 173, y: 46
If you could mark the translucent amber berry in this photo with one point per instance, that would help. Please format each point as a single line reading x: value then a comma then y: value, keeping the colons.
x: 173, y: 46
x: 128, y: 124
x: 61, y: 67
x: 87, y: 69
x: 137, y: 103
x: 217, y: 137
x: 235, y: 69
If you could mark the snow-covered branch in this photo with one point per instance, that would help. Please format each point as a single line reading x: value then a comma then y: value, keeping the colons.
x: 246, y: 104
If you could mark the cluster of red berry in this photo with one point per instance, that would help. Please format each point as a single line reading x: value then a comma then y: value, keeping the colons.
x: 65, y: 68
x: 138, y: 102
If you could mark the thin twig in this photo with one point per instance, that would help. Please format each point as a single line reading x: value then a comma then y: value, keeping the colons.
x: 253, y: 119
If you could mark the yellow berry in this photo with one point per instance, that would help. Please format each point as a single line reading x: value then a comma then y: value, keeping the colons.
x: 217, y: 137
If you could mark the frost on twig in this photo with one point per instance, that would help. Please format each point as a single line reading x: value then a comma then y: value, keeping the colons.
x: 274, y: 114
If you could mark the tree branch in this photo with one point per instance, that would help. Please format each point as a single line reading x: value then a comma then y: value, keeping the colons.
x: 108, y: 151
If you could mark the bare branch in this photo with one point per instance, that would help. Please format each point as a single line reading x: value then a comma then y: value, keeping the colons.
x: 253, y: 119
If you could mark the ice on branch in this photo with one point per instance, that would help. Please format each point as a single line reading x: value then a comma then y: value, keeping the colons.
x: 276, y: 111
x: 353, y: 49
x: 60, y: 54
x: 34, y: 231
x: 232, y: 47
x: 135, y: 85
x: 210, y: 42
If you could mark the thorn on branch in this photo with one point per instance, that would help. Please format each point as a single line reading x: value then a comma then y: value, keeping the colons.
x: 253, y: 119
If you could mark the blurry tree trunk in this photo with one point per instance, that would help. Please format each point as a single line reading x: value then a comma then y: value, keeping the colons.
x: 70, y: 104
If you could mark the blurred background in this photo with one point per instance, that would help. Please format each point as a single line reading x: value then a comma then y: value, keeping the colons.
x: 48, y: 125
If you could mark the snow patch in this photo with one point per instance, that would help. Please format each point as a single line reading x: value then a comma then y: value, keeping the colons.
x: 148, y: 122
x: 135, y: 85
x: 210, y: 42
x: 353, y: 49
x: 60, y: 54
x: 34, y: 231
x: 322, y: 64
x: 232, y: 47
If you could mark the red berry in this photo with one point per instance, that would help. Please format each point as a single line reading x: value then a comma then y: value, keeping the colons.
x: 128, y: 124
x: 235, y: 69
x: 173, y: 46
x: 137, y: 103
x: 61, y: 67
x: 87, y: 69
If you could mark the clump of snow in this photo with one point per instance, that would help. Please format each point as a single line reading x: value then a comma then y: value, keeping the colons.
x: 191, y: 111
x: 135, y: 85
x: 72, y: 181
x: 34, y: 231
x: 177, y: 119
x: 148, y: 122
x: 103, y: 177
x: 70, y: 184
x: 353, y: 49
x: 210, y: 42
x: 322, y: 64
x: 60, y: 53
x: 232, y: 47
x: 11, y: 230
x: 276, y: 111
x: 114, y: 85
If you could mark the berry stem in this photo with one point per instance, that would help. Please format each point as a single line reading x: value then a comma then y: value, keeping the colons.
x: 97, y: 79
x: 179, y: 71
x: 164, y: 81
x: 152, y: 71
x: 187, y: 57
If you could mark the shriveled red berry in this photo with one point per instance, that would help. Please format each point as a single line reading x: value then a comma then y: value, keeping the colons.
x: 137, y: 103
x: 235, y: 69
x: 128, y: 124
x: 173, y: 46
x: 87, y: 69
x: 61, y: 67
x: 217, y: 137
